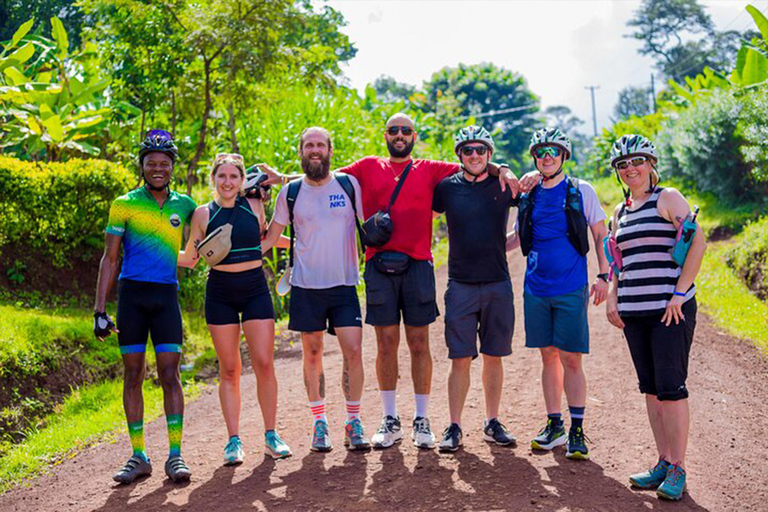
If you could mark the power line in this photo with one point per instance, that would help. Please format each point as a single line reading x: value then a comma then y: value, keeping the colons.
x: 492, y: 113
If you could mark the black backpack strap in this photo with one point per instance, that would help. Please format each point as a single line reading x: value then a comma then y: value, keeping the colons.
x: 293, y: 193
x: 349, y: 189
x: 399, y: 185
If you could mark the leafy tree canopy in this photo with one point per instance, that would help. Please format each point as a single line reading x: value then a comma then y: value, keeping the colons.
x: 13, y: 13
x: 633, y: 101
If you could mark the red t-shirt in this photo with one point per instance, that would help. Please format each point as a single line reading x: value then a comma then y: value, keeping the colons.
x: 412, y: 212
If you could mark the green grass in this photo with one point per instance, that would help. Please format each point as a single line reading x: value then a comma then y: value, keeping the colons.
x: 90, y: 415
x: 727, y: 300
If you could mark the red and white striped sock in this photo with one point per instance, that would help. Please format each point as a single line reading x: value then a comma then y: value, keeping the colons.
x: 318, y: 410
x: 353, y: 410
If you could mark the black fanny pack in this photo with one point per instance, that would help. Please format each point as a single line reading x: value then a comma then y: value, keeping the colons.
x: 377, y: 229
x: 391, y: 262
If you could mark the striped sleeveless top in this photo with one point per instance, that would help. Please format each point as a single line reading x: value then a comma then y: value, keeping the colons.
x: 649, y: 276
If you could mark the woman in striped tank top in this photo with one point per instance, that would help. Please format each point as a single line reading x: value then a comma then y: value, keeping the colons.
x: 653, y: 301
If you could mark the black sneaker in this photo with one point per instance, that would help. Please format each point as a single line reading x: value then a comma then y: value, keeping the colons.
x: 577, y: 445
x: 496, y: 432
x: 177, y: 470
x: 451, y: 438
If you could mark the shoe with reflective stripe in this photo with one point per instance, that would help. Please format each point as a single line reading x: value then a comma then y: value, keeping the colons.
x: 451, y: 438
x: 422, y: 435
x: 549, y: 437
x: 389, y: 433
x: 577, y: 445
x: 276, y: 446
x: 176, y: 469
x: 321, y: 441
x: 652, y: 478
x: 233, y: 452
x: 673, y: 486
x: 354, y: 437
x: 136, y: 467
x: 496, y: 432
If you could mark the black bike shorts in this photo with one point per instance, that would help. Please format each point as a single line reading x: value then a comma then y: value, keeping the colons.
x: 314, y: 310
x: 412, y: 293
x: 145, y: 308
x: 228, y: 295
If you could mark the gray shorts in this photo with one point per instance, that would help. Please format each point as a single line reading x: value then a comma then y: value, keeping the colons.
x: 487, y: 309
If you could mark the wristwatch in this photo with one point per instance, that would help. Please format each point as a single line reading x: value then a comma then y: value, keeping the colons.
x: 604, y: 277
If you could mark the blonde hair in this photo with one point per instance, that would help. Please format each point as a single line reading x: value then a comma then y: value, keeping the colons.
x: 227, y: 158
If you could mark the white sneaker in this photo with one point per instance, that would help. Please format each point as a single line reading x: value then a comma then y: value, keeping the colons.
x: 388, y: 434
x: 422, y: 435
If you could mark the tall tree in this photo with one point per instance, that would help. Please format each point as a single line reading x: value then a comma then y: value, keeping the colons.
x: 633, y: 101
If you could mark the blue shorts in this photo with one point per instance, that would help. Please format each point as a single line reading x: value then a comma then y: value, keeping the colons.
x: 559, y: 321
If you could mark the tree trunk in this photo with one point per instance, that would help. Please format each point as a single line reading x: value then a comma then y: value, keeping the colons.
x: 143, y: 119
x: 173, y: 113
x: 233, y: 128
x: 191, y: 178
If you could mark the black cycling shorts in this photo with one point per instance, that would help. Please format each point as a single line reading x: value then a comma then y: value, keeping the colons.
x: 660, y: 353
x: 228, y: 295
x: 145, y: 308
x: 314, y: 310
x: 412, y: 293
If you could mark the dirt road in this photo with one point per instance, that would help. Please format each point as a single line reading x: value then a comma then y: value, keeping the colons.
x: 727, y: 456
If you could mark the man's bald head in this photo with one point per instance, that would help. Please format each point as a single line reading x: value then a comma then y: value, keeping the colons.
x: 401, y: 119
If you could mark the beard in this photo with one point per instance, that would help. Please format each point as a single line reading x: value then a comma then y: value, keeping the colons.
x: 400, y: 153
x: 316, y: 171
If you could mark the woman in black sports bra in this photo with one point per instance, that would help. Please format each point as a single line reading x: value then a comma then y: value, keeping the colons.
x: 237, y: 292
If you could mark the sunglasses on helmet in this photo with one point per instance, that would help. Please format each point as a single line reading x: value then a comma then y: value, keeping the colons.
x: 634, y: 162
x: 405, y: 130
x: 233, y: 156
x: 468, y: 150
x: 543, y: 151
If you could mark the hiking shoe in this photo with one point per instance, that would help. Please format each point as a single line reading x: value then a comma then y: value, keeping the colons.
x: 652, y: 478
x: 577, y: 446
x: 354, y: 438
x: 321, y: 441
x: 422, y: 435
x: 673, y: 486
x: 276, y: 446
x: 451, y: 438
x: 550, y: 436
x: 496, y: 432
x: 233, y: 452
x: 136, y: 467
x: 389, y: 432
x: 177, y: 470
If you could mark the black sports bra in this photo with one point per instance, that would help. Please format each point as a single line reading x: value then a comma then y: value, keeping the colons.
x: 246, y: 236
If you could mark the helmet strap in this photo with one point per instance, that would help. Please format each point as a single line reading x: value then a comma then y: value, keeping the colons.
x: 547, y: 178
x: 156, y: 189
x: 475, y: 176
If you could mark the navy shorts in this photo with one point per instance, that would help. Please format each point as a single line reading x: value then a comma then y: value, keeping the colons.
x: 559, y: 321
x: 148, y: 309
x: 228, y: 295
x: 660, y: 353
x: 314, y: 310
x: 487, y: 309
x: 412, y: 293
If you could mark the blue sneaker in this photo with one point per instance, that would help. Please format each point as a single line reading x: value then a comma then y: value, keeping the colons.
x: 577, y: 445
x: 673, y: 486
x: 321, y: 441
x: 354, y: 437
x: 550, y: 436
x: 652, y: 478
x: 233, y: 452
x: 276, y: 446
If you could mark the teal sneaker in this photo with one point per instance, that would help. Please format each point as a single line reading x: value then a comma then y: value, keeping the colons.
x: 549, y: 437
x: 276, y: 446
x: 321, y: 440
x: 673, y: 486
x: 577, y: 445
x: 652, y: 478
x: 233, y: 453
x: 354, y: 437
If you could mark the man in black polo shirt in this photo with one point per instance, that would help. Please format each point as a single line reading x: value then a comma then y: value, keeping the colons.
x: 479, y: 297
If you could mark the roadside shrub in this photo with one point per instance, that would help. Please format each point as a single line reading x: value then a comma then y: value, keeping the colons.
x: 58, y: 210
x: 749, y: 259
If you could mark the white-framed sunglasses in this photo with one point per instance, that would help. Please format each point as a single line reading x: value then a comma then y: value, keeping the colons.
x: 634, y: 162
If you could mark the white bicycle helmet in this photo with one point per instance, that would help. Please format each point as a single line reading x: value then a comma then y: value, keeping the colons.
x: 472, y: 133
x: 633, y: 144
x: 551, y: 137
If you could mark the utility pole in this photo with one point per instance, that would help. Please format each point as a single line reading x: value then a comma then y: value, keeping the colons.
x: 594, y: 115
x: 653, y: 94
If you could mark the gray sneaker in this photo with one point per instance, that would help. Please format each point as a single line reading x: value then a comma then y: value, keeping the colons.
x: 422, y: 434
x: 136, y: 467
x: 496, y: 432
x: 321, y: 441
x: 354, y: 437
x: 389, y: 433
x: 177, y: 470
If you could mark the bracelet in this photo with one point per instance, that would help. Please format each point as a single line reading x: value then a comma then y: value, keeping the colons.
x: 679, y: 294
x: 604, y: 277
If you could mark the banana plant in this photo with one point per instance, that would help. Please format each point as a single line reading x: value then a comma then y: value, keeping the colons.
x: 53, y: 103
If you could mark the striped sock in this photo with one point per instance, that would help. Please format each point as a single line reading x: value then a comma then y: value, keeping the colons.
x: 136, y: 433
x: 175, y: 424
x: 353, y: 410
x: 577, y: 416
x: 318, y: 410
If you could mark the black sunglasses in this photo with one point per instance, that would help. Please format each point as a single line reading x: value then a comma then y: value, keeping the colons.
x: 468, y: 150
x: 405, y: 130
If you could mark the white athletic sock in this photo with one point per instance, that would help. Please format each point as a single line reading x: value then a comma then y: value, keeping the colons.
x: 353, y: 410
x: 389, y: 402
x: 422, y: 404
x: 318, y: 410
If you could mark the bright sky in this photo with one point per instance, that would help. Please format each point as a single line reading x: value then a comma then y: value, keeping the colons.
x: 560, y: 46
